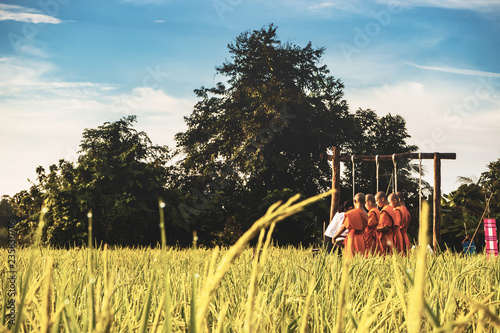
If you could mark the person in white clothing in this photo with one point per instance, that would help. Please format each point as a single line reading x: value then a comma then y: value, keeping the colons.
x: 334, y: 227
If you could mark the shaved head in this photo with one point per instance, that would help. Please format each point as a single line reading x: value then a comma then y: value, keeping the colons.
x: 393, y: 196
x: 400, y: 196
x: 381, y: 199
x: 360, y: 197
x: 393, y: 200
x: 370, y: 202
x: 370, y: 198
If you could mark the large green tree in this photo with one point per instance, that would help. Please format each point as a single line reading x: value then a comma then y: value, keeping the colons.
x: 119, y: 176
x: 267, y: 125
x: 264, y: 128
x: 123, y: 175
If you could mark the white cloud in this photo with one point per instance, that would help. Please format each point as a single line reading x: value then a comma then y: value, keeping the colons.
x: 478, y: 5
x: 24, y: 78
x: 366, y: 7
x: 321, y: 5
x: 16, y: 8
x: 458, y: 70
x: 442, y: 116
x: 24, y: 14
x: 42, y: 118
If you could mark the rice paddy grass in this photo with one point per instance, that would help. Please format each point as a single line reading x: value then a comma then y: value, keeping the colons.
x: 249, y: 289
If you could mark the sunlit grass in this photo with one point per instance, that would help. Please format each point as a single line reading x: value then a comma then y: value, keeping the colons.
x: 242, y: 289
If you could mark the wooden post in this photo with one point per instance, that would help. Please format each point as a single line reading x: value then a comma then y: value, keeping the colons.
x: 335, y: 181
x: 436, y: 234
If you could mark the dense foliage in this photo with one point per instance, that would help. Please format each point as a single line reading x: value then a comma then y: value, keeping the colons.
x: 253, y: 139
x: 464, y: 208
x: 6, y: 211
x: 267, y: 126
x: 119, y: 177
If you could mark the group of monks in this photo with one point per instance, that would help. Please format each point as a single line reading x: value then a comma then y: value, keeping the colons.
x: 380, y: 229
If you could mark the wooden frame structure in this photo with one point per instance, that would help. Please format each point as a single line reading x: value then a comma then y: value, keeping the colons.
x: 336, y: 158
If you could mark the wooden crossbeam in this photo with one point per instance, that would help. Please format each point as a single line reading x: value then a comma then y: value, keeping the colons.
x: 384, y: 158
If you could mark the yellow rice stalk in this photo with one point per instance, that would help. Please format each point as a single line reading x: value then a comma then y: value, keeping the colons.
x: 105, y: 320
x: 147, y: 306
x: 342, y: 296
x: 253, y: 286
x: 316, y: 312
x: 275, y: 213
x: 458, y: 325
x: 265, y: 248
x: 417, y: 303
x: 399, y: 285
x: 92, y: 280
x: 450, y: 305
x: 284, y: 316
x: 307, y: 305
x: 484, y: 311
x: 47, y: 299
x: 383, y: 309
x: 161, y: 205
x: 24, y: 293
x: 156, y: 322
x: 220, y: 319
x: 367, y: 320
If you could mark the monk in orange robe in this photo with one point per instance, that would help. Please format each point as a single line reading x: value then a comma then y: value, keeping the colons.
x: 355, y: 222
x: 405, y: 224
x: 396, y: 232
x: 385, y: 224
x: 370, y: 234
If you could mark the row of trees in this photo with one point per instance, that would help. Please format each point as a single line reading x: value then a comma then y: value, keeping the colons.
x: 251, y: 141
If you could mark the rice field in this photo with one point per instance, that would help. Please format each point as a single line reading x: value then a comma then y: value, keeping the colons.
x: 244, y: 289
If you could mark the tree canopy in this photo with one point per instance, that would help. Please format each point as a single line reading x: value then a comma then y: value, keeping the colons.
x: 118, y: 177
x: 267, y: 125
x: 252, y: 139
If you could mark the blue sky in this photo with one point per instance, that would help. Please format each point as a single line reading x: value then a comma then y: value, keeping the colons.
x: 67, y: 65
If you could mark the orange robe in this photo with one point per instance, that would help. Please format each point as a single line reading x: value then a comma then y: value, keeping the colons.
x: 404, y: 229
x: 370, y: 234
x: 385, y: 239
x: 355, y: 222
x: 398, y: 237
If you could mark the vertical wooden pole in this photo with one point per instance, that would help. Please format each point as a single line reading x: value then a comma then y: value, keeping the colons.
x: 437, y: 202
x: 335, y: 181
